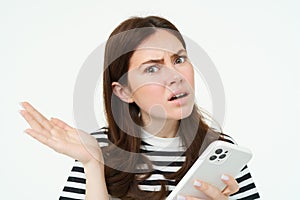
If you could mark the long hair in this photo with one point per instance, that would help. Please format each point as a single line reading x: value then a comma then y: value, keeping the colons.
x: 124, y: 132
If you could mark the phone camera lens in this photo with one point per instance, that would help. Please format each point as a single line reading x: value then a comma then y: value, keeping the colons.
x: 218, y: 151
x: 222, y: 156
x: 213, y: 157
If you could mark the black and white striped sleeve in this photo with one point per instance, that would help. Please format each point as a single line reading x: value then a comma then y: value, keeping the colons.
x: 74, y: 188
x: 248, y: 190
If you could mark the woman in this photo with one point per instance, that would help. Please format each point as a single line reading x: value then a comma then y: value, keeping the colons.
x: 155, y: 131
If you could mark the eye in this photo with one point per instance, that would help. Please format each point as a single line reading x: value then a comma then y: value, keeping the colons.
x: 180, y: 59
x: 152, y: 69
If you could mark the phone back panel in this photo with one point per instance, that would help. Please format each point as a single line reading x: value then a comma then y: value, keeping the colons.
x: 219, y: 158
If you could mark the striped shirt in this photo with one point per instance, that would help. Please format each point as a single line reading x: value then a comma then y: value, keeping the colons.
x: 167, y: 155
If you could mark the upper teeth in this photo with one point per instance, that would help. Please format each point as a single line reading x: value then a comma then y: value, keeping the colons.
x: 179, y: 95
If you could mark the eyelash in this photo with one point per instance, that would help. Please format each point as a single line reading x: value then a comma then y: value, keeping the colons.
x: 179, y: 57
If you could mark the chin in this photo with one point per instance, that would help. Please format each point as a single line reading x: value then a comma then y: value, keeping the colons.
x: 182, y: 115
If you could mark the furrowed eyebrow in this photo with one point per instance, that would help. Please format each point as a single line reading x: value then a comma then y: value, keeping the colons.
x: 153, y: 61
x: 161, y: 60
x: 178, y: 53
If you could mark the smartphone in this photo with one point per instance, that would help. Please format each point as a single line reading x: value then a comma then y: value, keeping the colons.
x: 218, y: 158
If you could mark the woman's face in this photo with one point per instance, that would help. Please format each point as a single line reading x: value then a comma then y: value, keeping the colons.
x: 161, y: 78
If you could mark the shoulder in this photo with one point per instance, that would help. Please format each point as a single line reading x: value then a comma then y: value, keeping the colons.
x: 101, y: 136
x: 213, y: 135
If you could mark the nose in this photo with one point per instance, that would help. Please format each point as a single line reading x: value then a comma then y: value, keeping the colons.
x: 173, y: 78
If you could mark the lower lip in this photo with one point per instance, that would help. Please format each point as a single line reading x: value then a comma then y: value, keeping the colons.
x: 180, y: 101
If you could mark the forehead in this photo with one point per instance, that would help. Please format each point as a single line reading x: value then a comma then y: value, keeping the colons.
x: 161, y: 39
x: 153, y: 47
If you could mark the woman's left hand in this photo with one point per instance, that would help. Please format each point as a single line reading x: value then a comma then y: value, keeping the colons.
x: 213, y: 192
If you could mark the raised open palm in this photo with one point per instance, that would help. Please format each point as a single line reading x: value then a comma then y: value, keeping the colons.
x: 61, y: 137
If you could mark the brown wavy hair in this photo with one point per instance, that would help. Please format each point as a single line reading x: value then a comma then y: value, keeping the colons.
x: 123, y: 118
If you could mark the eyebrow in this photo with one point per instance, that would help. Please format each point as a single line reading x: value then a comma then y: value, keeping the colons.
x: 161, y: 60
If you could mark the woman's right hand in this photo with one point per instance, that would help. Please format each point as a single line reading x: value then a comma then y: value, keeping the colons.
x: 61, y: 137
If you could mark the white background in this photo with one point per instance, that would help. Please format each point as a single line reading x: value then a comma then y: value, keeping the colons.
x: 254, y: 45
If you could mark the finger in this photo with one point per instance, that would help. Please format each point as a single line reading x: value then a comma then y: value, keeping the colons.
x: 61, y: 124
x: 31, y: 121
x: 36, y: 135
x: 232, y: 185
x: 48, y: 141
x: 209, y: 190
x: 43, y: 121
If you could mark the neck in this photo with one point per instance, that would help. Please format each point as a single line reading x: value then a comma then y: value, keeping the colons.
x: 165, y: 128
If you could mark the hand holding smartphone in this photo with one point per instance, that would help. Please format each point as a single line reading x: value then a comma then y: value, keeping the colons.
x: 218, y: 158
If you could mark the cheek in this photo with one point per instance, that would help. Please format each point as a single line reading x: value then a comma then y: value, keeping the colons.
x: 148, y: 95
x: 188, y: 75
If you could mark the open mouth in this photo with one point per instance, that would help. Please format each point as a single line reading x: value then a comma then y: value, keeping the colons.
x: 178, y: 96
